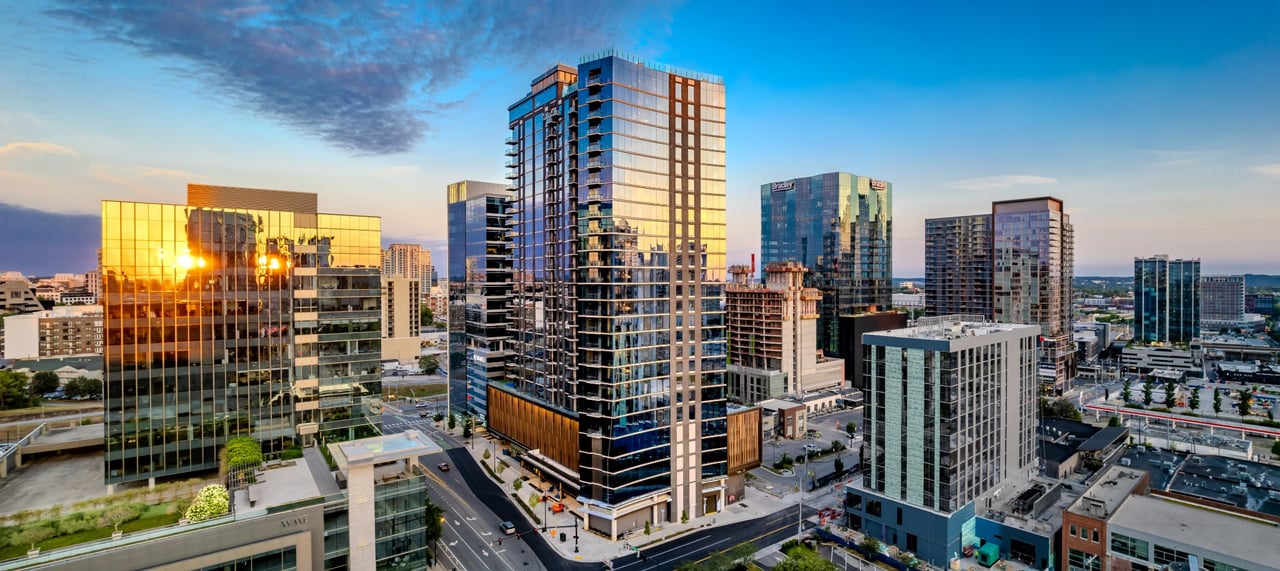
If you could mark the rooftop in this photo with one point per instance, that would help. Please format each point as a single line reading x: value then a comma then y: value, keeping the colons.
x: 1159, y: 464
x: 382, y: 449
x: 1105, y: 496
x: 1189, y: 525
x: 285, y: 483
x: 952, y: 327
x: 1240, y: 483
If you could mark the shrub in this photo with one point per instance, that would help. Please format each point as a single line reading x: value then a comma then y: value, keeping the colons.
x: 77, y: 522
x: 212, y: 501
x: 243, y: 451
x: 32, y: 535
x: 291, y: 453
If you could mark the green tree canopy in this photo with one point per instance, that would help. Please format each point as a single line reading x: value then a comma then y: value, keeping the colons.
x: 45, y: 382
x: 13, y: 390
x: 429, y: 364
x: 83, y: 387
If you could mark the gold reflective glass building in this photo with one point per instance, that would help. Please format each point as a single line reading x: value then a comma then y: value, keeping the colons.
x: 243, y: 312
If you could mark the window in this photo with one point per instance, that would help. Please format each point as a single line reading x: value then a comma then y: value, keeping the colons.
x: 873, y: 507
x: 1095, y: 536
x: 1169, y: 555
x: 1073, y: 530
x: 911, y: 540
x: 1081, y: 561
x: 1132, y: 547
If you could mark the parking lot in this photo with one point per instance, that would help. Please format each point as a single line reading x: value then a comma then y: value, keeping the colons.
x: 823, y: 430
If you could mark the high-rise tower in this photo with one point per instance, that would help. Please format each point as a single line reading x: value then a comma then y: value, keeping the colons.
x: 840, y: 226
x: 618, y: 249
x: 479, y: 292
x: 1033, y: 252
x: 1014, y: 265
x: 242, y: 312
x: 951, y: 414
x: 1166, y: 300
x: 958, y: 265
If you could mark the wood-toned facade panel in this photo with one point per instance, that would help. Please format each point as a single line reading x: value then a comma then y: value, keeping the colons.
x: 534, y: 426
x: 744, y: 439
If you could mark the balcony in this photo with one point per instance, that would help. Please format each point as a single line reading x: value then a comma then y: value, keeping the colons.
x: 513, y: 150
x: 512, y: 141
x: 512, y: 163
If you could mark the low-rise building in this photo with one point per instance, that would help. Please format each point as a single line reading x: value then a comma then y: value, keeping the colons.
x: 1085, y: 545
x: 1146, y: 359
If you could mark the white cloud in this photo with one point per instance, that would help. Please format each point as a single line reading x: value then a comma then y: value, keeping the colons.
x: 36, y: 148
x: 1000, y: 181
x: 1168, y: 158
x: 1271, y: 170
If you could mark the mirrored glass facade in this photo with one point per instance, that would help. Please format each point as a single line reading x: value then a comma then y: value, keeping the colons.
x: 223, y: 321
x: 840, y: 226
x: 1033, y: 255
x: 1166, y: 300
x: 479, y: 292
x: 618, y: 233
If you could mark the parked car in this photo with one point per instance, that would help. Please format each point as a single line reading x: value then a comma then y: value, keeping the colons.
x: 812, y: 447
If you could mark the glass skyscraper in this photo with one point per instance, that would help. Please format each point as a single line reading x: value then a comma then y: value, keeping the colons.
x: 242, y: 312
x: 618, y: 248
x: 1166, y: 300
x: 958, y: 268
x: 840, y: 226
x: 1033, y: 255
x: 479, y: 292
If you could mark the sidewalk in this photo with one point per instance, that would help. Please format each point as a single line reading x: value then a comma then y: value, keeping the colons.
x: 593, y: 547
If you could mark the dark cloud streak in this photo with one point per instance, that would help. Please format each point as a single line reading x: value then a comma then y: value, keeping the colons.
x: 363, y: 76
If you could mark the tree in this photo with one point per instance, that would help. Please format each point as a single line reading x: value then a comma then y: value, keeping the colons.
x: 1246, y: 402
x: 1147, y: 387
x: 742, y: 553
x: 435, y: 520
x: 870, y: 544
x: 1217, y: 401
x: 45, y: 382
x: 517, y: 484
x: 839, y: 465
x: 466, y: 427
x: 439, y: 416
x: 83, y: 387
x: 1194, y: 400
x: 120, y: 514
x: 684, y: 516
x: 648, y: 530
x: 13, y: 390
x: 427, y: 315
x: 485, y: 455
x: 851, y: 428
x: 1275, y: 448
x: 429, y: 364
x: 837, y: 446
x: 1115, y: 421
x: 1170, y: 393
x: 1127, y: 392
x: 453, y: 421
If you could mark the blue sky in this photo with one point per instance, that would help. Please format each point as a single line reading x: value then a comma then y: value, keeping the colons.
x: 1156, y: 123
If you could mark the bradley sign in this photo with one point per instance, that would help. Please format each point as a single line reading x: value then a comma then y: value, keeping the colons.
x: 877, y: 184
x: 781, y: 186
